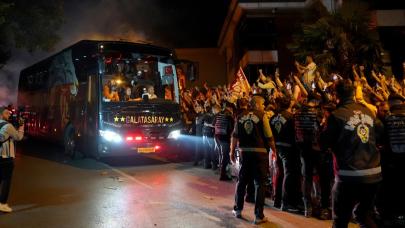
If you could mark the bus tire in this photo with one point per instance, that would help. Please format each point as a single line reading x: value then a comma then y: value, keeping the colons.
x: 69, y: 143
x: 97, y: 150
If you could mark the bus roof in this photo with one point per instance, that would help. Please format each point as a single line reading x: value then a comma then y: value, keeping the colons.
x: 94, y: 44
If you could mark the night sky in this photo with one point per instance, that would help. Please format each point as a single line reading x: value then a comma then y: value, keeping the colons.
x: 170, y: 23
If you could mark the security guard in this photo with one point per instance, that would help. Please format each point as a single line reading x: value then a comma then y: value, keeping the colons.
x: 253, y: 134
x: 393, y: 160
x: 352, y: 132
x: 288, y: 158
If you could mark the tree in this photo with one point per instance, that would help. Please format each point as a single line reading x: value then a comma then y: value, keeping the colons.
x: 340, y: 39
x: 31, y: 25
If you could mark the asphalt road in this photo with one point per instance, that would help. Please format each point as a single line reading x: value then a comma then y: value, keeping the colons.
x: 49, y: 190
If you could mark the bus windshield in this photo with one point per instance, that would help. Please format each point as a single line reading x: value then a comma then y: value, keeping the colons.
x: 134, y: 77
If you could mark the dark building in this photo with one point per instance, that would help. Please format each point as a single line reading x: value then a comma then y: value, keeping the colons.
x: 255, y: 34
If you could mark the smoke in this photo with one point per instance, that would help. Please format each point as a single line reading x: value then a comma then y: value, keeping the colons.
x: 160, y: 22
x: 6, y: 84
x: 129, y: 20
x: 85, y: 19
x: 174, y: 23
x: 9, y: 74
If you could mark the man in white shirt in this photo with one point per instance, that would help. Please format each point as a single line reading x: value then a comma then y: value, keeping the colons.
x: 8, y: 134
x: 308, y: 71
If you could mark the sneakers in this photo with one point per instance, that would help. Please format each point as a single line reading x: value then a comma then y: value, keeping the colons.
x: 237, y: 214
x: 325, y: 214
x: 5, y: 208
x: 225, y: 178
x: 308, y: 212
x: 260, y: 220
x: 288, y: 208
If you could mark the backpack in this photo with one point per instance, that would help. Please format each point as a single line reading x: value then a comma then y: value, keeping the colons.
x: 2, y: 124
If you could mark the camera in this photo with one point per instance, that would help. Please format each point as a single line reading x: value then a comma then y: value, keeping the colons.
x: 16, y: 117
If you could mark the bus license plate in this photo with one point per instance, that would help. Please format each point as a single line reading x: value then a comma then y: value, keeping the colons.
x: 146, y: 150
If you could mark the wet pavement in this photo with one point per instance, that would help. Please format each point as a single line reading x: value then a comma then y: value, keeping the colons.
x: 49, y: 190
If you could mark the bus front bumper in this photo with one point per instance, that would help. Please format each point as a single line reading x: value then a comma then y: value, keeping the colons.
x: 108, y: 149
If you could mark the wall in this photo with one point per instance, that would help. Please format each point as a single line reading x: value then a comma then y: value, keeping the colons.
x: 212, y: 67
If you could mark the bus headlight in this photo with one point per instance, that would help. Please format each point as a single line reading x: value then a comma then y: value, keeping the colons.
x: 110, y: 136
x: 174, y: 134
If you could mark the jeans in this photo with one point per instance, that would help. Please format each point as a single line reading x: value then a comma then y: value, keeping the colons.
x: 291, y: 176
x: 224, y: 158
x: 6, y: 172
x: 209, y: 150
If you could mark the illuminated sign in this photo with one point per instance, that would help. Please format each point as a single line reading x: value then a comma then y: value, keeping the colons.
x: 143, y: 119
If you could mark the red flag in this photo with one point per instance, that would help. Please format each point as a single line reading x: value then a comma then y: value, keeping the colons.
x: 240, y: 84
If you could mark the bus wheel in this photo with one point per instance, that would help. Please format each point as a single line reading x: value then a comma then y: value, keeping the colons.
x: 70, y: 143
x: 98, y: 150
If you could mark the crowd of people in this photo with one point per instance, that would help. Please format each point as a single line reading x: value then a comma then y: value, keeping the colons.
x: 334, y: 144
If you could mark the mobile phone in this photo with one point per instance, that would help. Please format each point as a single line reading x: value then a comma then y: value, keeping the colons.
x: 288, y: 86
x: 335, y: 77
x: 313, y: 85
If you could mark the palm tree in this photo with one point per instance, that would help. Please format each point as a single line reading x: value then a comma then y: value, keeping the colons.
x: 339, y: 39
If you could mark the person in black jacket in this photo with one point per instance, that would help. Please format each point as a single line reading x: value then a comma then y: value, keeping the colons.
x: 288, y: 158
x: 208, y: 138
x: 352, y: 132
x: 198, y: 140
x: 223, y: 124
x: 253, y: 135
x: 393, y: 160
x: 307, y: 128
x: 243, y: 105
